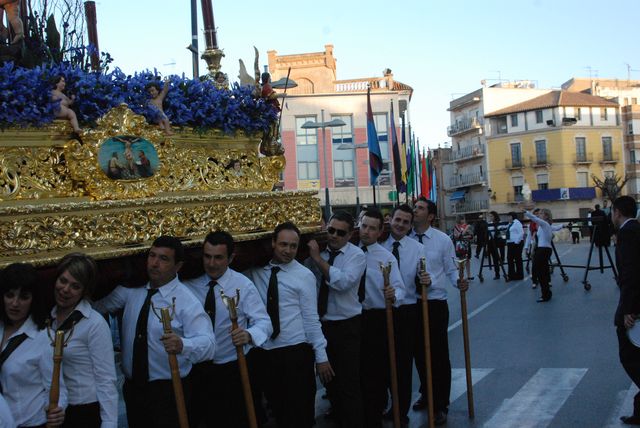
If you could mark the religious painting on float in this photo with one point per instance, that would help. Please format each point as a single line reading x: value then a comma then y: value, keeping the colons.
x: 128, y: 158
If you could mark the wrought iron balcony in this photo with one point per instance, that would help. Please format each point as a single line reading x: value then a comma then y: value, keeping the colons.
x: 464, y: 180
x: 470, y: 206
x: 469, y: 152
x: 539, y: 161
x: 465, y: 125
x: 514, y: 163
x: 583, y: 159
x: 609, y: 158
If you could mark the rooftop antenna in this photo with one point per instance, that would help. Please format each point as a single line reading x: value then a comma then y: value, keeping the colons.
x: 592, y: 72
x: 629, y: 70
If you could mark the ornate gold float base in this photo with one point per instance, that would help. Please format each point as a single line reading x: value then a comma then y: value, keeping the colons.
x: 42, y: 233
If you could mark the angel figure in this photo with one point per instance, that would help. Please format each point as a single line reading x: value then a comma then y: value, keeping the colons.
x: 12, y: 8
x: 63, y: 110
x: 157, y: 98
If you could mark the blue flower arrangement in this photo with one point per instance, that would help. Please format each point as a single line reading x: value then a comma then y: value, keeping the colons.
x: 25, y: 99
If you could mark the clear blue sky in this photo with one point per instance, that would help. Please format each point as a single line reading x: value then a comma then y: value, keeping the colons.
x: 441, y: 48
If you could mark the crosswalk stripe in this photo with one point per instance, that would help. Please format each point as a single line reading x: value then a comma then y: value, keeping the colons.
x: 624, y: 408
x: 537, y: 402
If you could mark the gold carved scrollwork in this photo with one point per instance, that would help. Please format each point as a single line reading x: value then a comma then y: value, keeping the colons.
x: 93, y: 226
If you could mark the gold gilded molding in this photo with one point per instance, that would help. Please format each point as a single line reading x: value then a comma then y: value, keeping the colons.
x: 107, y: 229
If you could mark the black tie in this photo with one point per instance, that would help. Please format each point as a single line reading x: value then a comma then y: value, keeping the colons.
x: 396, y: 252
x: 140, y: 346
x: 363, y: 280
x: 323, y: 295
x: 420, y: 236
x: 210, y: 303
x: 273, y: 308
x: 70, y: 321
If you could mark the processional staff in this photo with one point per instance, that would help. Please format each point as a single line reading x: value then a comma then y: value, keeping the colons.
x: 58, y: 343
x: 465, y: 333
x: 232, y: 303
x: 166, y: 314
x: 427, y: 342
x: 391, y: 342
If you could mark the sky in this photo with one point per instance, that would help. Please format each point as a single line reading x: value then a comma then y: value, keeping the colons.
x: 442, y: 49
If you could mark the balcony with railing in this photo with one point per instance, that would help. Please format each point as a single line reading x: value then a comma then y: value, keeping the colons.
x: 465, y: 207
x: 583, y: 159
x: 465, y: 125
x: 609, y: 158
x: 517, y: 163
x: 466, y: 180
x: 466, y: 153
x: 539, y: 161
x: 512, y: 199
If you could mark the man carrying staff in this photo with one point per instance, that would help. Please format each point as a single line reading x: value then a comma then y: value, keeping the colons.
x: 628, y: 263
x: 407, y: 253
x: 338, y: 271
x: 217, y: 388
x: 287, y: 289
x: 148, y: 390
x: 374, y: 368
x: 440, y: 255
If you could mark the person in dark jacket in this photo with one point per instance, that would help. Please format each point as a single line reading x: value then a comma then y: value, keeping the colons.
x: 628, y: 263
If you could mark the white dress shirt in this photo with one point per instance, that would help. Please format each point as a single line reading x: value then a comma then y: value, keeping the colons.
x: 344, y: 281
x: 26, y: 376
x: 6, y: 418
x: 88, y: 364
x: 252, y: 314
x: 374, y: 295
x: 297, y: 304
x: 545, y: 230
x: 516, y: 232
x: 410, y: 251
x: 190, y: 322
x: 440, y: 255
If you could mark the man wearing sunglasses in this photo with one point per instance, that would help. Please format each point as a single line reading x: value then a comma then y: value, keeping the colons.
x: 338, y: 270
x: 407, y: 252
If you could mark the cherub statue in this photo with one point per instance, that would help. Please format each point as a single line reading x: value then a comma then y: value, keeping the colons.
x: 157, y: 98
x: 220, y: 80
x: 270, y: 145
x: 63, y: 110
x: 12, y: 8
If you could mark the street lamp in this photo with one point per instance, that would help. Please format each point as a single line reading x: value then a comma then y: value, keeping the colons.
x: 323, y: 125
x: 351, y: 146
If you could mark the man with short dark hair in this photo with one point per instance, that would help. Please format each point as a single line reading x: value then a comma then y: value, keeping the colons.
x: 338, y: 271
x: 407, y: 252
x: 628, y: 311
x: 148, y: 390
x: 375, y: 353
x: 218, y: 398
x: 515, y: 244
x: 287, y: 289
x: 440, y: 255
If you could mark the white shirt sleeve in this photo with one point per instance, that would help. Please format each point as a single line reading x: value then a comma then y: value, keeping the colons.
x: 101, y: 354
x: 310, y: 320
x: 112, y: 302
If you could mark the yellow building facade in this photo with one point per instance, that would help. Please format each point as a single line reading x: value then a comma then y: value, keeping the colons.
x: 553, y: 145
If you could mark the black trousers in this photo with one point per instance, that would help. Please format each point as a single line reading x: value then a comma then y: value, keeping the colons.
x: 630, y: 359
x: 540, y: 269
x: 440, y: 363
x: 217, y: 399
x: 374, y: 366
x: 153, y: 404
x: 343, y: 350
x: 514, y: 260
x: 404, y: 325
x: 82, y: 416
x: 291, y: 385
x: 493, y: 256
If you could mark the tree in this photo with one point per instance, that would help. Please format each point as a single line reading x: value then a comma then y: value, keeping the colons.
x: 610, y: 186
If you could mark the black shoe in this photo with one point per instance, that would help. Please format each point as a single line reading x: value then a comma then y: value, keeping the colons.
x: 630, y: 420
x: 496, y: 277
x: 470, y: 278
x: 543, y: 299
x: 440, y: 418
x: 421, y: 404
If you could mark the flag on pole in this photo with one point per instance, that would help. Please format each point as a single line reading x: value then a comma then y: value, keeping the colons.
x: 375, y: 155
x: 397, y: 161
x: 434, y: 189
x: 403, y: 155
x: 410, y: 166
x: 424, y: 176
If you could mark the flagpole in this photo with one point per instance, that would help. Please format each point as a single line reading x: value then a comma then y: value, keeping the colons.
x: 404, y: 146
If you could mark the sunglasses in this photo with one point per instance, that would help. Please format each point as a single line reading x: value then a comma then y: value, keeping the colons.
x: 334, y: 231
